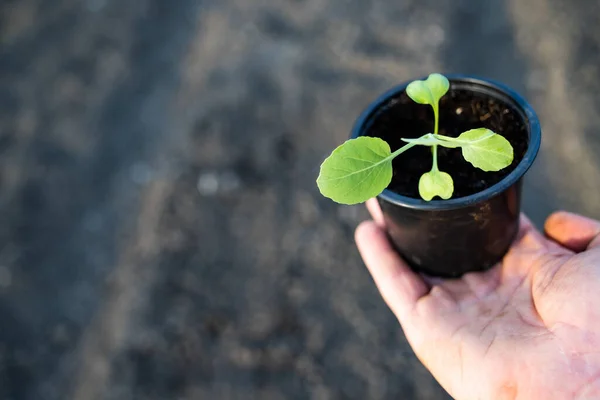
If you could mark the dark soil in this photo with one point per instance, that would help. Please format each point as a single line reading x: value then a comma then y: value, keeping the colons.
x: 460, y: 110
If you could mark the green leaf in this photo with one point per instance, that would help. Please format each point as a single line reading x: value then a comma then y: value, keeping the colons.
x: 486, y: 150
x: 429, y: 91
x: 436, y: 183
x: 357, y: 170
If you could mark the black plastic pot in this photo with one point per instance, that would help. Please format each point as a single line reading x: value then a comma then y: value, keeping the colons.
x: 448, y: 238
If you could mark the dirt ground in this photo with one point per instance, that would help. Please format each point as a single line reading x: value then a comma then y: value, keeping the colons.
x: 161, y: 234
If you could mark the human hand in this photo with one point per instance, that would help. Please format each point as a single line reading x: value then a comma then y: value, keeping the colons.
x: 529, y: 328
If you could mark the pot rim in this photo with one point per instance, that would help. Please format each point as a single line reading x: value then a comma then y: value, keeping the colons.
x: 482, y: 85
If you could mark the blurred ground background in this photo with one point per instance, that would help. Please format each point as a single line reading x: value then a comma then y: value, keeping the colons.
x: 161, y: 235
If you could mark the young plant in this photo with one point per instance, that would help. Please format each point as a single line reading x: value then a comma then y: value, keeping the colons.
x: 361, y: 168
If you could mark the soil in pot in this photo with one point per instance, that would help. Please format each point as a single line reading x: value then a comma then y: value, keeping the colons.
x: 460, y: 110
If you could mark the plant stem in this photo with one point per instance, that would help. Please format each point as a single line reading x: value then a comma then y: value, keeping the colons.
x: 402, y: 150
x: 436, y: 117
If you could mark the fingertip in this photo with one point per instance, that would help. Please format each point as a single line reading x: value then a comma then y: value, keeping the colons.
x: 365, y: 226
x: 363, y: 231
x: 573, y: 231
x: 555, y: 220
x: 371, y: 239
x: 561, y: 220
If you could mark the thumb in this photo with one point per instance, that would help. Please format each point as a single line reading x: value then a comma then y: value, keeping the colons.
x: 573, y: 231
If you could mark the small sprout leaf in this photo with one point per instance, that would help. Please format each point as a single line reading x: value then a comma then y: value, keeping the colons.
x: 486, y: 150
x: 357, y: 170
x: 419, y: 92
x: 435, y: 183
x: 438, y: 85
x: 429, y: 91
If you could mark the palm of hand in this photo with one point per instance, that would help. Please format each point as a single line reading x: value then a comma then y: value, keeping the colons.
x: 529, y: 328
x: 518, y: 329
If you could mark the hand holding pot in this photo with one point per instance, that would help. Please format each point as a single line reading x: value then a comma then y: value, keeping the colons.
x: 528, y: 328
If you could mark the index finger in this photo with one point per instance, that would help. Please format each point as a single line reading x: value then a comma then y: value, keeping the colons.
x: 375, y: 211
x: 399, y: 286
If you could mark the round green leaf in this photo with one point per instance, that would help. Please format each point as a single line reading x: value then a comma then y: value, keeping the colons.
x: 436, y: 183
x: 486, y: 150
x: 429, y: 91
x: 419, y: 92
x: 357, y: 170
x: 438, y: 85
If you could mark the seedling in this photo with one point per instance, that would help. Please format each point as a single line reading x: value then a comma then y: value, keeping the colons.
x: 361, y: 168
